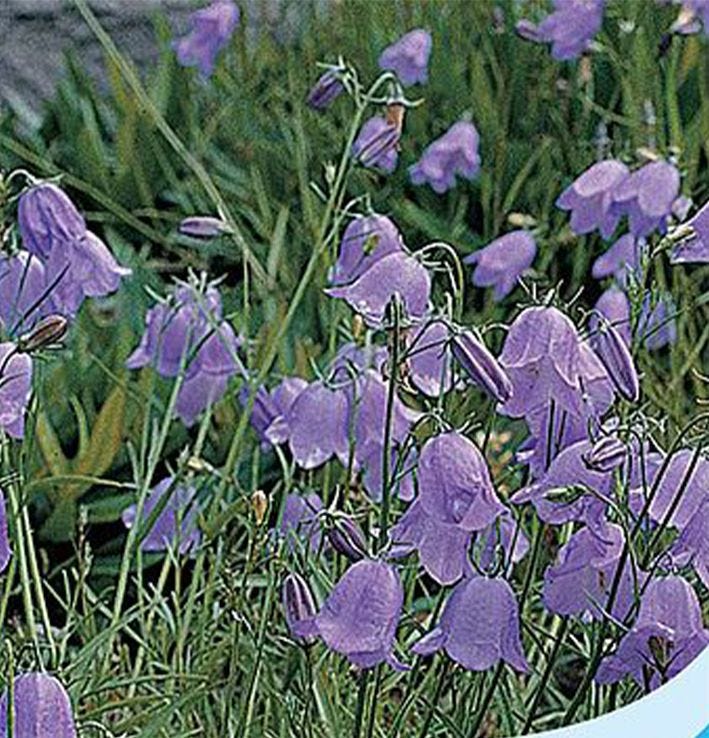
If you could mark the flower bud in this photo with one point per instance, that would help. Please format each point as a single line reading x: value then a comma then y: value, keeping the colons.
x: 259, y: 505
x: 47, y: 332
x: 325, y: 90
x: 203, y: 226
x: 299, y: 607
x: 617, y: 360
x: 347, y: 538
x: 481, y: 366
x: 605, y: 455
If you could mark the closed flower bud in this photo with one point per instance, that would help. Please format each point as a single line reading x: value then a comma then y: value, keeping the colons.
x: 259, y: 505
x: 618, y: 362
x: 605, y: 455
x: 47, y: 332
x: 347, y: 538
x: 325, y: 90
x: 481, y: 366
x: 203, y: 226
x: 299, y: 607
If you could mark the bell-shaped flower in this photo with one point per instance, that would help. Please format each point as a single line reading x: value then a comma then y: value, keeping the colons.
x: 360, y: 616
x: 454, y: 483
x: 667, y: 636
x: 580, y: 581
x: 429, y: 360
x: 542, y: 357
x: 455, y: 153
x: 365, y: 241
x: 376, y: 145
x: 15, y: 389
x: 569, y: 29
x: 24, y: 292
x: 615, y: 356
x: 647, y: 197
x: 210, y: 30
x: 41, y: 708
x: 400, y: 478
x: 271, y: 410
x: 692, y: 546
x: 408, y: 57
x: 693, y: 248
x: 590, y: 198
x: 481, y: 367
x: 622, y: 258
x: 606, y: 454
x: 479, y: 627
x: 176, y: 523
x: 614, y: 306
x: 326, y: 90
x: 300, y: 520
x: 504, y: 537
x: 5, y: 550
x: 347, y: 538
x: 396, y: 273
x: 299, y: 608
x: 502, y: 262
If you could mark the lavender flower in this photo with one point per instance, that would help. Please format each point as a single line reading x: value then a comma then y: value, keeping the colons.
x: 408, y: 57
x: 570, y: 28
x: 347, y: 538
x: 376, y: 145
x: 615, y: 356
x: 299, y: 608
x: 15, y: 389
x: 454, y: 483
x: 581, y: 580
x: 396, y: 273
x: 694, y: 247
x: 622, y: 258
x: 41, y: 708
x: 210, y: 31
x: 361, y: 614
x: 429, y: 361
x: 606, y: 454
x: 504, y: 535
x: 590, y: 198
x: 667, y: 636
x: 5, y: 550
x: 23, y: 292
x: 692, y: 545
x: 325, y: 90
x: 365, y: 241
x: 501, y: 263
x: 188, y: 329
x: 203, y: 226
x: 176, y: 524
x: 479, y: 627
x: 481, y: 366
x: 613, y: 306
x: 647, y: 197
x: 454, y: 153
x: 301, y: 520
x: 271, y: 410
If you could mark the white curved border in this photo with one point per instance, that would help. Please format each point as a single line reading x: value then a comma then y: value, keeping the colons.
x: 679, y: 709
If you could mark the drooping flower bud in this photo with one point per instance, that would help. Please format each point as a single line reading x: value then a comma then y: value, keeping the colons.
x: 606, y: 454
x: 376, y: 145
x: 47, y: 332
x: 481, y: 366
x: 618, y: 362
x: 203, y: 226
x: 347, y: 538
x: 325, y: 90
x: 299, y: 607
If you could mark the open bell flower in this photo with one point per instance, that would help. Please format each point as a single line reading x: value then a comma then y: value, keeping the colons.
x: 502, y: 262
x: 210, y: 30
x: 692, y: 546
x: 455, y: 153
x: 621, y: 259
x: 694, y: 247
x: 15, y: 389
x: 429, y: 359
x: 5, y: 550
x: 360, y: 616
x: 408, y: 57
x: 24, y: 292
x: 479, y: 627
x: 41, y: 708
x: 300, y: 521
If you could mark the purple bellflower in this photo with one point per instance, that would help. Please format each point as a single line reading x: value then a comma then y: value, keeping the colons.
x: 270, y: 412
x: 210, y: 31
x: 647, y: 197
x: 5, y: 550
x: 623, y: 257
x: 176, y: 524
x: 347, y: 538
x: 590, y: 198
x: 429, y: 361
x: 613, y: 306
x: 454, y: 483
x: 694, y: 247
x: 615, y: 356
x: 503, y: 536
x: 326, y: 90
x: 301, y: 520
x: 481, y: 367
x: 371, y: 293
x: 569, y: 29
x: 24, y: 293
x: 360, y: 616
x: 365, y: 241
x: 692, y: 545
x: 188, y: 331
x: 299, y: 607
x: 606, y: 454
x: 667, y: 635
x: 502, y: 262
x: 15, y: 389
x: 41, y: 708
x: 408, y: 57
x: 454, y: 153
x: 376, y: 145
x: 479, y: 627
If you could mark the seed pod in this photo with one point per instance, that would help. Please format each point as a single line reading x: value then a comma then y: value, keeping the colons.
x: 606, y: 454
x: 348, y: 539
x: 618, y: 362
x: 48, y: 331
x: 481, y: 366
x: 299, y: 607
x: 259, y: 504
